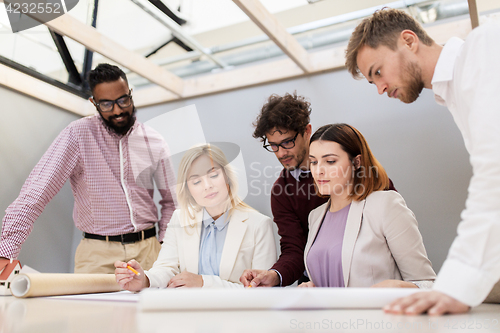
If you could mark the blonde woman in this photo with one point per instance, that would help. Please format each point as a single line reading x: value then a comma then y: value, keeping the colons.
x: 212, y: 238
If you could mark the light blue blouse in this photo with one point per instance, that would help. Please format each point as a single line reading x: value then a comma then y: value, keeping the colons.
x: 210, y: 248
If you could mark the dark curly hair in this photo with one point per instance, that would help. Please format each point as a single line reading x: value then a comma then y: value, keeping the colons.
x: 105, y: 73
x: 288, y: 112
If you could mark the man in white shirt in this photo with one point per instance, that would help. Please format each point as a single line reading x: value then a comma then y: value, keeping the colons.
x: 391, y: 50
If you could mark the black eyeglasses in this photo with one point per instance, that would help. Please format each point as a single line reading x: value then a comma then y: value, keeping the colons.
x: 123, y: 102
x: 287, y: 144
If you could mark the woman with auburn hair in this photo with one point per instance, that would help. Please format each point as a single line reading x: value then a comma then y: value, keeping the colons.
x: 365, y: 235
x: 212, y: 238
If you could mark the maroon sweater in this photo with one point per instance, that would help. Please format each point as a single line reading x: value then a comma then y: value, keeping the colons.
x: 291, y: 202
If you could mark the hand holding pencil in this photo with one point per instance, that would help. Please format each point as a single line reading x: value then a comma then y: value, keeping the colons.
x: 130, y: 275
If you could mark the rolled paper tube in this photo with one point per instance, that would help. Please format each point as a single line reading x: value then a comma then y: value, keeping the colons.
x: 200, y: 299
x: 33, y: 285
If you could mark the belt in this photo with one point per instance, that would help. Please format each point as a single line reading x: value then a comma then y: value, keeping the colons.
x: 124, y: 239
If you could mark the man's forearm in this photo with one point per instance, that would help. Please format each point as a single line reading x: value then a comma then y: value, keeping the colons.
x: 290, y: 268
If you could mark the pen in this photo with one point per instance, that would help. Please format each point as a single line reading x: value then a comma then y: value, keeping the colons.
x: 133, y: 270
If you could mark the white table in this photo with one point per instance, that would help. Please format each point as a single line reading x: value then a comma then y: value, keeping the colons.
x: 64, y: 315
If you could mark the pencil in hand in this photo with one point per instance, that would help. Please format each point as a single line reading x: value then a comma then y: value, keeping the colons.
x: 133, y: 270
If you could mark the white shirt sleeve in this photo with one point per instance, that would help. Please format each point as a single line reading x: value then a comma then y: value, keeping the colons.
x: 473, y: 263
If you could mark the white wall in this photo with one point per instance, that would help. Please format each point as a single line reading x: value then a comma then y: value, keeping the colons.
x: 418, y: 144
x: 27, y: 129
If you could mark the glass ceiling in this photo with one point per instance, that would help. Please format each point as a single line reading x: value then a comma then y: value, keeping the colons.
x: 217, y: 34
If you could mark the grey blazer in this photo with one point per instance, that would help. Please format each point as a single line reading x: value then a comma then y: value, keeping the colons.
x: 381, y: 241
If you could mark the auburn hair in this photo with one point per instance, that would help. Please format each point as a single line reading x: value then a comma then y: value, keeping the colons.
x: 370, y: 176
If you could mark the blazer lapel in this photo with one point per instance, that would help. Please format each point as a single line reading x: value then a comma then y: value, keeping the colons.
x: 314, y: 225
x: 350, y: 235
x: 191, y: 243
x: 234, y: 237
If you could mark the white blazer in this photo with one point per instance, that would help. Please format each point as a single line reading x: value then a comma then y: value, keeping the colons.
x: 381, y: 241
x: 249, y: 244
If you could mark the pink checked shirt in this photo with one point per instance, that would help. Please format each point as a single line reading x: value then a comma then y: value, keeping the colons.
x: 111, y: 177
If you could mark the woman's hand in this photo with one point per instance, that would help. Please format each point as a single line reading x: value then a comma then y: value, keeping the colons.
x: 127, y: 279
x: 309, y: 284
x: 186, y: 279
x: 394, y: 284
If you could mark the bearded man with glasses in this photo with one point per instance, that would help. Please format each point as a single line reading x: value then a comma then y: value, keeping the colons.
x: 112, y: 161
x: 283, y: 126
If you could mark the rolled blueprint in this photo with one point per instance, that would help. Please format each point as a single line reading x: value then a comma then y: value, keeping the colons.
x: 269, y: 298
x: 33, y: 285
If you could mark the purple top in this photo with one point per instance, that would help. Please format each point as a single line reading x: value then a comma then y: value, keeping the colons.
x: 324, y: 259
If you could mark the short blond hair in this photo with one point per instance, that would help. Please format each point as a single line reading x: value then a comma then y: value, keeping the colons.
x: 382, y: 28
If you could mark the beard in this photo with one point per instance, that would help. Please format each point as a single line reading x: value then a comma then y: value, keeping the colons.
x: 413, y: 82
x: 123, y: 128
x: 299, y: 158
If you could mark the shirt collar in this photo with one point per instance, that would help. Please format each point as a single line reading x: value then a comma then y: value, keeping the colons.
x: 297, y: 172
x: 443, y: 72
x: 220, y: 223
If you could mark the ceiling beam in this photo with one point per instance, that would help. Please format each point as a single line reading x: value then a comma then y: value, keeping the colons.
x: 276, y: 32
x: 93, y: 40
x: 43, y: 91
x: 73, y: 74
x: 473, y: 13
x: 176, y: 30
x: 241, y: 77
x: 285, y: 69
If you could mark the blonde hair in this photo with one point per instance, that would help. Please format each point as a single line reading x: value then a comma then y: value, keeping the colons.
x: 187, y: 204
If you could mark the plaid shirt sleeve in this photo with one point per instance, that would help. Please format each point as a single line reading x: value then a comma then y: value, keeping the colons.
x: 43, y: 183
